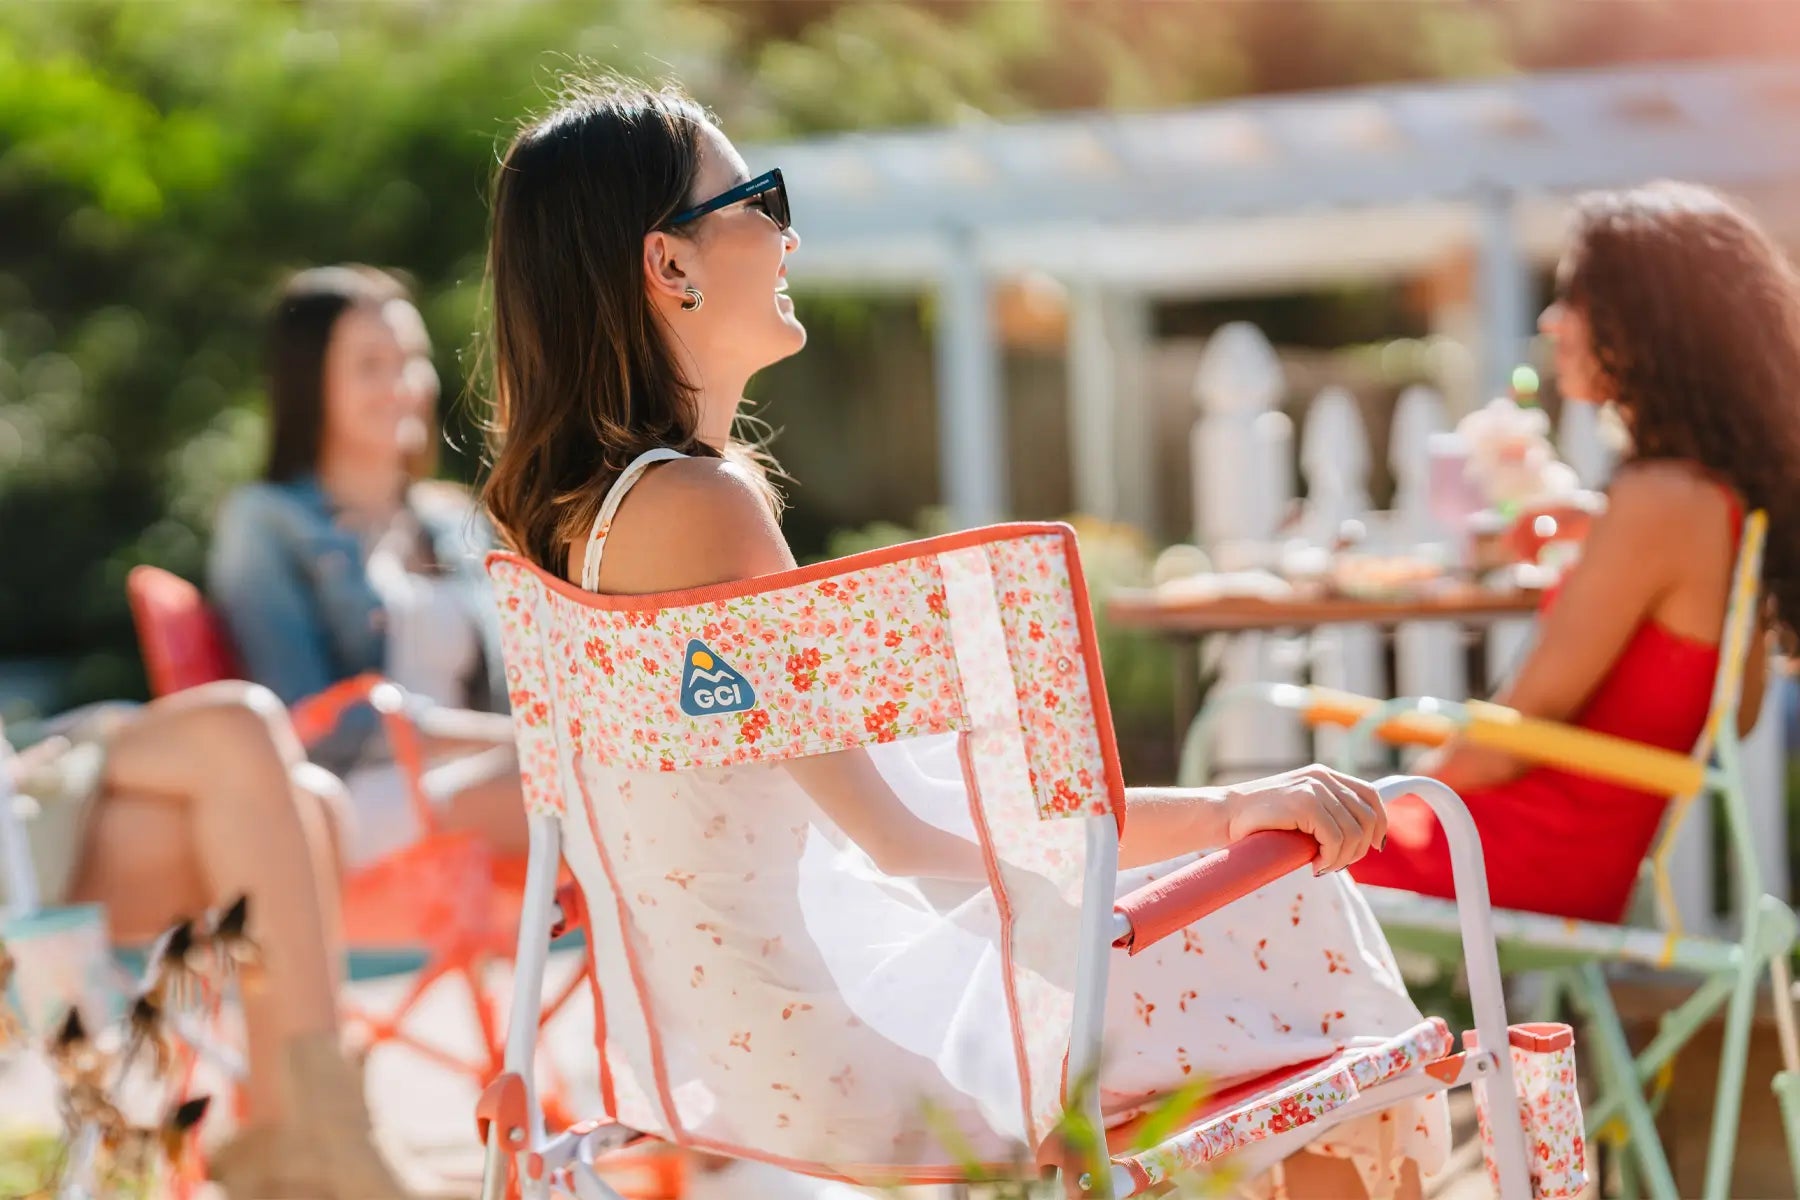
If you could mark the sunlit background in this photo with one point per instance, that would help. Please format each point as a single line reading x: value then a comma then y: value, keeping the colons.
x: 1096, y: 186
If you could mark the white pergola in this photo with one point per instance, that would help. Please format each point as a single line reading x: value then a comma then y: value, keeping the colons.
x: 1247, y: 197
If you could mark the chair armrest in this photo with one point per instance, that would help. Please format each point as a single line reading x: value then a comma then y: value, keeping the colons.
x: 1204, y: 886
x: 1323, y: 706
x: 1617, y: 760
x: 464, y: 726
x: 316, y: 715
x: 1545, y: 743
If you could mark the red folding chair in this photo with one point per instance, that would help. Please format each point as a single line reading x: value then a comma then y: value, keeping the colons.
x: 444, y: 907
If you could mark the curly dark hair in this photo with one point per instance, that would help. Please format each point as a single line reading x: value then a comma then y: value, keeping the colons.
x: 1694, y: 314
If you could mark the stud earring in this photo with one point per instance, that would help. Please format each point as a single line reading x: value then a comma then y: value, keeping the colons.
x: 694, y: 300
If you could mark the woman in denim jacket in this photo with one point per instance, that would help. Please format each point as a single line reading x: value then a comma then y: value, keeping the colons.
x: 342, y: 560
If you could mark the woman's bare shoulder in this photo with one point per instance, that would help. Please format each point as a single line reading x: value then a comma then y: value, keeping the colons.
x: 688, y: 523
x: 1667, y: 520
x: 1667, y: 496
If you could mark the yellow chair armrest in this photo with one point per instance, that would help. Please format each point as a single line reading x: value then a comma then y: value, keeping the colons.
x: 1546, y: 743
x: 1323, y: 706
x: 1553, y: 744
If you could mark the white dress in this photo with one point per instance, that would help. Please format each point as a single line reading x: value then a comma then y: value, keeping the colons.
x: 433, y: 647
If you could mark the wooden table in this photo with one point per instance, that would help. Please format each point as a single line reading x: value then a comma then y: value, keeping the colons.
x: 1185, y: 621
x: 1155, y: 612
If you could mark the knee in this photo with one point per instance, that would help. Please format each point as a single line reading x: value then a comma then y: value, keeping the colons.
x: 236, y: 718
x: 316, y: 781
x: 239, y: 696
x: 325, y: 790
x: 325, y: 794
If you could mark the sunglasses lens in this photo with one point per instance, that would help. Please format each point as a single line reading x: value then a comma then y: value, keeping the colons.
x: 777, y: 200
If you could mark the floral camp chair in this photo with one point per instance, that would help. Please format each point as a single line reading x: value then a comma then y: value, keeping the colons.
x: 916, y: 1031
x: 1572, y: 955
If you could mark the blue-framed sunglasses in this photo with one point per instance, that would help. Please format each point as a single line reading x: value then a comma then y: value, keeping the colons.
x: 767, y: 188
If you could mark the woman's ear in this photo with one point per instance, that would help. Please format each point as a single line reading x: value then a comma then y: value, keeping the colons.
x: 666, y: 259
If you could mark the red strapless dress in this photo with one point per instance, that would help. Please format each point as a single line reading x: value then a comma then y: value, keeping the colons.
x: 1557, y: 842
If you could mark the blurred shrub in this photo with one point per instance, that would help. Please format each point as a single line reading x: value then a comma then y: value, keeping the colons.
x: 162, y: 167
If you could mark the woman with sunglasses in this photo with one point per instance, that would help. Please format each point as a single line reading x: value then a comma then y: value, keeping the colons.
x: 639, y: 276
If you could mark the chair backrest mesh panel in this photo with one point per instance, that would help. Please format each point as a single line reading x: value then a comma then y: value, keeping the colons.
x: 767, y: 988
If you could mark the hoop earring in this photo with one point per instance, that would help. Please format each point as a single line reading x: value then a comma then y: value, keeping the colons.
x: 694, y: 300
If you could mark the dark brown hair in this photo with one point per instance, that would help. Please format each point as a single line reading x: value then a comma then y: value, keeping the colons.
x: 299, y: 334
x: 583, y: 378
x: 1695, y: 318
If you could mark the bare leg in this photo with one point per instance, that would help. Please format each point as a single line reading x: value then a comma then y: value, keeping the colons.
x: 323, y: 804
x: 199, y: 805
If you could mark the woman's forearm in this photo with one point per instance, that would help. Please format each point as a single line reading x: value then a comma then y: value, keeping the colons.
x: 1345, y: 816
x: 1165, y: 823
x: 852, y: 792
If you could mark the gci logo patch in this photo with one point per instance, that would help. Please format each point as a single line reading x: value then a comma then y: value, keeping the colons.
x: 710, y: 687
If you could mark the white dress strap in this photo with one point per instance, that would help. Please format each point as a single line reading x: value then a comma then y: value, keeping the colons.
x: 609, y: 507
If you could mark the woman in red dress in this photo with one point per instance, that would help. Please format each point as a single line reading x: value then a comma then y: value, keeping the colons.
x: 1675, y: 307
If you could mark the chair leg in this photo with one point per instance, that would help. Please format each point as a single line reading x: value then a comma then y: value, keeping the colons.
x: 1787, y: 1080
x: 1629, y: 1181
x: 487, y: 1021
x: 382, y: 1028
x: 523, y: 1126
x: 1734, y: 1058
x: 1620, y: 1072
x: 1546, y: 1002
x: 552, y: 1085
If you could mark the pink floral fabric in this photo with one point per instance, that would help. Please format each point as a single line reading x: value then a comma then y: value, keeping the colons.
x: 521, y: 598
x: 1543, y: 1063
x: 852, y: 659
x: 1426, y: 1042
x: 1291, y: 1108
x: 842, y: 662
x: 1294, y: 1103
x: 1029, y: 852
x: 1050, y: 671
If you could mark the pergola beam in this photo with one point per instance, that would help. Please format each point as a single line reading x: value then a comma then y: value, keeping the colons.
x: 1252, y: 196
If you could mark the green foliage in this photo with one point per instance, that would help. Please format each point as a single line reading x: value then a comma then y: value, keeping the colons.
x: 161, y: 168
x: 28, y: 1162
x: 1078, y: 1140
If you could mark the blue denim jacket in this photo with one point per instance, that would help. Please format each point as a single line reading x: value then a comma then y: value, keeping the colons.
x: 292, y: 585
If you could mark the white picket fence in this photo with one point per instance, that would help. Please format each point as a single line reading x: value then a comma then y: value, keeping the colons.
x: 1243, y: 463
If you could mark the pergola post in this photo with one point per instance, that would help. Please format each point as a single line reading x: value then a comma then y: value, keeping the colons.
x: 1503, y: 286
x: 971, y: 427
x: 1110, y: 436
